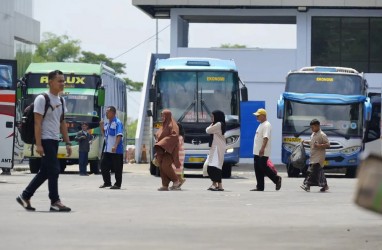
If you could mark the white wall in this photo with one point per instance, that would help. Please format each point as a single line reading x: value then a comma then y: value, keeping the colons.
x: 264, y: 70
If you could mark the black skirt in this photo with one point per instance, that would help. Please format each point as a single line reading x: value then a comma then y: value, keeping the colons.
x: 215, y: 174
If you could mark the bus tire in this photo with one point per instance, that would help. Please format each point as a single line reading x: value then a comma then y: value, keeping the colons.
x: 152, y: 168
x: 227, y: 171
x: 62, y: 166
x: 34, y: 165
x: 292, y: 171
x: 94, y: 166
x: 351, y: 172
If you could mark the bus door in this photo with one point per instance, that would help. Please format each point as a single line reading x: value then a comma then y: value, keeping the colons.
x: 7, y: 112
x: 373, y: 139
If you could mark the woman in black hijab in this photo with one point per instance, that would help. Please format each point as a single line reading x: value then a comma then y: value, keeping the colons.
x: 217, y: 149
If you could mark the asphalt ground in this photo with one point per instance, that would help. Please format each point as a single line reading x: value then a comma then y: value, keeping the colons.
x: 140, y: 217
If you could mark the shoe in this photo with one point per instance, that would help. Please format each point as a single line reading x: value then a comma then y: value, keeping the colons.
x: 105, y: 185
x: 6, y: 173
x: 212, y: 188
x: 278, y: 184
x: 115, y: 187
x: 25, y: 203
x: 59, y: 207
x: 325, y: 188
x: 173, y: 188
x: 155, y: 162
x: 305, y: 187
x: 84, y: 175
x: 182, y: 182
x: 163, y: 189
x: 255, y: 189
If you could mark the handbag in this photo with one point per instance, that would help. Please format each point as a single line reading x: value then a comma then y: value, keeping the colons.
x: 205, y: 166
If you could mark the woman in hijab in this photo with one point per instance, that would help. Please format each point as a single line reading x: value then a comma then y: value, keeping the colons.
x: 218, y: 147
x: 167, y: 151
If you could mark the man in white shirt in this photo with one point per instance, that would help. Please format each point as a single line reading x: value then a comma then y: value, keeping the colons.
x: 261, y: 152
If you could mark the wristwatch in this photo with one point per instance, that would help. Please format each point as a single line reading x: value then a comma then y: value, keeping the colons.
x: 68, y: 143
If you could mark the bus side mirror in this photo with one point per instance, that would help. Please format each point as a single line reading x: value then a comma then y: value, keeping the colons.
x: 367, y: 110
x: 244, y: 94
x: 101, y: 97
x: 152, y: 95
x: 19, y: 91
x: 280, y: 108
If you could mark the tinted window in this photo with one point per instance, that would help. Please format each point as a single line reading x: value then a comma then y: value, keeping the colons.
x: 354, y: 42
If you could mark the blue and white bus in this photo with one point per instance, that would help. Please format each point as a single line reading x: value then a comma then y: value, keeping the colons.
x: 337, y: 97
x: 192, y: 88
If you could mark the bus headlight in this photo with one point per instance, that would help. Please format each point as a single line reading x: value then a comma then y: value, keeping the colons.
x: 229, y: 150
x: 351, y: 150
x: 232, y: 139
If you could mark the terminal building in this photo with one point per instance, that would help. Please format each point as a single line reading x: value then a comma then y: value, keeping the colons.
x: 19, y: 31
x: 344, y: 33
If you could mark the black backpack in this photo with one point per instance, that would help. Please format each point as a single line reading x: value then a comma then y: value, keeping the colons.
x: 27, y: 125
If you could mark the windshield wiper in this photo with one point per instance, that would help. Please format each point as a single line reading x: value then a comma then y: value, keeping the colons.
x: 334, y: 130
x: 203, y: 103
x: 192, y: 104
x: 301, y: 132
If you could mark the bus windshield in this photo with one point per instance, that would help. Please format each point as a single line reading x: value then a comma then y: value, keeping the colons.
x: 336, y: 120
x: 324, y: 84
x: 5, y: 77
x: 192, y: 96
x: 80, y: 104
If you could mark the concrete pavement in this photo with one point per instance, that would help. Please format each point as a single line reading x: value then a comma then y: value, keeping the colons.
x: 140, y: 217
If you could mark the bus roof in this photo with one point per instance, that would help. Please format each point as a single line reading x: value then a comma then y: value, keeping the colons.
x: 327, y: 69
x: 194, y: 63
x: 69, y: 68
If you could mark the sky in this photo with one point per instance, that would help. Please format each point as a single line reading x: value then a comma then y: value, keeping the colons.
x: 114, y: 27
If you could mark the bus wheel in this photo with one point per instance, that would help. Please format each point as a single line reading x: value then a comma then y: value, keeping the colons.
x: 152, y: 168
x: 34, y: 165
x: 94, y: 166
x: 292, y: 171
x: 227, y: 171
x: 351, y: 172
x: 62, y: 166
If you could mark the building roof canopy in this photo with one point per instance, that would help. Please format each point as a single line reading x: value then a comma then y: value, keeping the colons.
x: 161, y: 8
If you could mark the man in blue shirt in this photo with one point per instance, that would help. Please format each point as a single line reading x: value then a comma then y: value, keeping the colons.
x: 112, y: 158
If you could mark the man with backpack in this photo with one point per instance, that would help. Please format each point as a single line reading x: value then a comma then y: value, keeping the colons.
x: 47, y: 127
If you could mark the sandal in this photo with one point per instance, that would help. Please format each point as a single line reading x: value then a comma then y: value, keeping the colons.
x: 212, y: 188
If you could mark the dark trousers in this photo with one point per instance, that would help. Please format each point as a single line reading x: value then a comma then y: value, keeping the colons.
x: 112, y: 161
x: 83, y: 161
x: 49, y: 170
x: 215, y: 174
x: 262, y: 170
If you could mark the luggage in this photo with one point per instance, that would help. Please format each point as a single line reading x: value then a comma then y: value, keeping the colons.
x: 298, y: 157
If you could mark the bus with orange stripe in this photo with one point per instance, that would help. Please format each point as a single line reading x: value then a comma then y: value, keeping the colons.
x: 7, y: 112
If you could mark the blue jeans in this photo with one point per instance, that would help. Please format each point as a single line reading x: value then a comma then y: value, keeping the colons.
x: 49, y: 170
x: 83, y: 161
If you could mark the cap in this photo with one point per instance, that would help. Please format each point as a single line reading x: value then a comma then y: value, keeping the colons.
x: 260, y: 112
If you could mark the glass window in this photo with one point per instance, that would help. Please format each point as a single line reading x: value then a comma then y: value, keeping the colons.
x: 354, y: 42
x: 324, y: 83
x: 192, y: 96
x: 336, y: 120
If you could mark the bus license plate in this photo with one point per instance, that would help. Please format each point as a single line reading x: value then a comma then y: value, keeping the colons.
x: 60, y: 155
x: 196, y: 159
